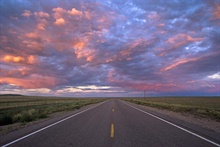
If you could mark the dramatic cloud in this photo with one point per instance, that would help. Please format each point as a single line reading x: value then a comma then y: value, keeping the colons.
x: 110, y: 48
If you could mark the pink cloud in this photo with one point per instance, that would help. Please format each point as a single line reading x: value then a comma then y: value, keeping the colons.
x: 15, y: 72
x: 126, y: 54
x: 60, y: 22
x: 18, y: 59
x: 36, y: 36
x: 34, y: 40
x: 41, y: 15
x: 180, y: 62
x: 87, y: 15
x: 184, y: 38
x: 34, y: 81
x: 42, y: 20
x: 153, y: 15
x: 82, y: 51
x: 26, y: 13
x: 32, y: 35
x: 10, y: 58
x: 42, y: 24
x: 33, y: 44
x: 32, y: 59
x: 177, y: 41
x: 75, y: 12
x: 58, y: 12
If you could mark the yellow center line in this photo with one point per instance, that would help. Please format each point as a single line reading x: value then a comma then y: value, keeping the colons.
x: 112, y: 131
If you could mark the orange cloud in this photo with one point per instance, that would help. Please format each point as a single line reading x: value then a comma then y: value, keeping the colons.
x: 9, y: 58
x: 179, y: 63
x: 82, y: 52
x: 35, y: 81
x: 16, y: 59
x: 79, y: 45
x: 60, y: 22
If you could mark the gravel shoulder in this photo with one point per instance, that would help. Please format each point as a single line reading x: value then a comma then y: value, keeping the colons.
x: 203, y: 122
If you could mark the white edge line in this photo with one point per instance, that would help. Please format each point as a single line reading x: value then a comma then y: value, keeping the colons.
x: 203, y: 138
x: 44, y: 128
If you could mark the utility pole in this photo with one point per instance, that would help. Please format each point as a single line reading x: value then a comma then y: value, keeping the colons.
x: 144, y: 93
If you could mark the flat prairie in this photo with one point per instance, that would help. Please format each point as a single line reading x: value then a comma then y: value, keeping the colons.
x: 22, y: 109
x: 200, y: 106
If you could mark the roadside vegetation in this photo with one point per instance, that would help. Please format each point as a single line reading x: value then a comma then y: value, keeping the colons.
x: 24, y: 109
x: 203, y: 107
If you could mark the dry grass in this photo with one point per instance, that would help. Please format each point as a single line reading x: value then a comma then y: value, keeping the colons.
x: 204, y: 107
x: 29, y: 108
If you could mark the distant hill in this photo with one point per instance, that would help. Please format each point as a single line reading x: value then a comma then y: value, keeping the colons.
x: 11, y: 95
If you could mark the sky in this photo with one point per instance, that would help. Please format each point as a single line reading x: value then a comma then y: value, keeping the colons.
x: 103, y: 48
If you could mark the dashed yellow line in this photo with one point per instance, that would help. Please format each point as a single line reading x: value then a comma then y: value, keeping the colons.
x: 112, y: 131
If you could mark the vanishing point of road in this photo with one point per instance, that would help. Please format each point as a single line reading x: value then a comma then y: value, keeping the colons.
x: 113, y: 123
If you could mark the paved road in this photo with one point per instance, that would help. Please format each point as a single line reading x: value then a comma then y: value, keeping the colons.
x: 112, y: 124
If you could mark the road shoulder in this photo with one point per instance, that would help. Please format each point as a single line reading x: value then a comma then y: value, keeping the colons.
x: 203, y: 126
x: 30, y: 127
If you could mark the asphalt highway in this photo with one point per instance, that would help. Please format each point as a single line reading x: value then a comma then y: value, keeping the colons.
x: 114, y: 123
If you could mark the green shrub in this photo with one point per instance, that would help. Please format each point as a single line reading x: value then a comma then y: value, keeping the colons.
x: 26, y: 109
x: 29, y: 115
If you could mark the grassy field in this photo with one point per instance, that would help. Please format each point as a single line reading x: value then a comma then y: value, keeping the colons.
x: 204, y: 107
x: 23, y: 109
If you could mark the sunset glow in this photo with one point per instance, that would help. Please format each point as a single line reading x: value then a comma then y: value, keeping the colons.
x: 110, y: 48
